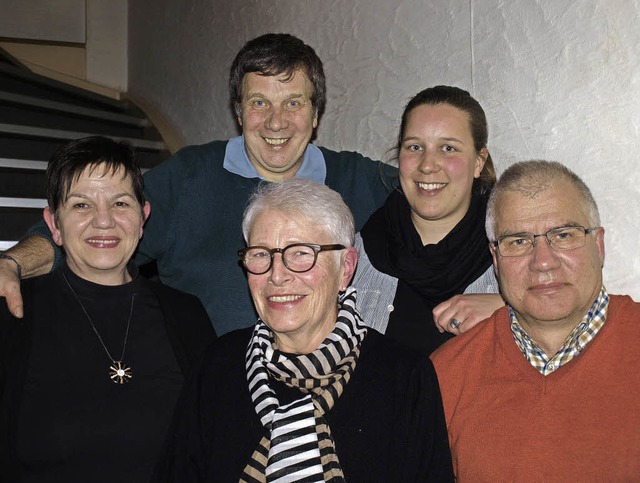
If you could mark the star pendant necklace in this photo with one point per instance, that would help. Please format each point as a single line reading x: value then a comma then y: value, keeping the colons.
x: 119, y: 372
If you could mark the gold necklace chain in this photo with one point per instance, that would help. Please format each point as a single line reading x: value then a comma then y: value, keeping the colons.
x: 119, y: 372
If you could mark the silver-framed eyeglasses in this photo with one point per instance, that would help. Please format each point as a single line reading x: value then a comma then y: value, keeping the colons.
x: 560, y: 238
x: 298, y: 257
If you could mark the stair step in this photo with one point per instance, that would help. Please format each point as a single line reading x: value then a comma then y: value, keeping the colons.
x: 19, y: 180
x: 18, y: 115
x: 41, y: 149
x: 24, y: 82
x: 23, y: 164
x: 22, y: 183
x: 39, y: 115
x: 9, y: 59
x: 7, y: 202
x: 14, y: 222
x: 70, y: 135
x: 73, y: 109
x: 34, y: 165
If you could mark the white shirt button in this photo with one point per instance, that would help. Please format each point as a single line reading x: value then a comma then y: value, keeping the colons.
x: 389, y: 308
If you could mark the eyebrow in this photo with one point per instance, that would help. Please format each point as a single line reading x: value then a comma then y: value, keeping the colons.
x: 296, y: 95
x: 117, y: 195
x: 521, y: 233
x: 455, y: 140
x: 418, y: 138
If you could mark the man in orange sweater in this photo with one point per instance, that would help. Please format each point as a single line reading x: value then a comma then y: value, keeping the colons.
x: 548, y: 388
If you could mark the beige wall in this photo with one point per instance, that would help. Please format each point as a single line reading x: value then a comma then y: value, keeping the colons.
x: 43, y: 20
x: 97, y: 54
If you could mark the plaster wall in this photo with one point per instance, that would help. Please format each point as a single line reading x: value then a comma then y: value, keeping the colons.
x: 559, y: 79
x: 106, y: 47
x: 40, y: 20
x: 84, y: 39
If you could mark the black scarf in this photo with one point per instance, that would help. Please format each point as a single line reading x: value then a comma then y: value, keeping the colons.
x: 427, y: 275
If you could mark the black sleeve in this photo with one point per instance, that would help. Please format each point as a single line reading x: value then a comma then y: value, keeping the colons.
x: 187, y: 323
x: 14, y: 351
x: 429, y: 457
x: 184, y: 457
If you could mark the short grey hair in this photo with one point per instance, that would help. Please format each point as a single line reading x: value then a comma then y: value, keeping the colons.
x: 310, y: 202
x: 532, y: 177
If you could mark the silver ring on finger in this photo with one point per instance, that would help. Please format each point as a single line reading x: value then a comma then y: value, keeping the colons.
x: 455, y: 324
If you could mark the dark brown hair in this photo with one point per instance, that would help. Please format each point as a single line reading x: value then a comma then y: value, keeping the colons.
x: 69, y: 162
x: 275, y: 54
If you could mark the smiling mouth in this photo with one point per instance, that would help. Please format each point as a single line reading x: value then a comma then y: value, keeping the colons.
x: 101, y: 242
x: 431, y: 186
x: 276, y: 141
x: 284, y: 298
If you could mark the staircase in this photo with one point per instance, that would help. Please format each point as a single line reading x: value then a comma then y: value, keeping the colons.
x: 37, y: 116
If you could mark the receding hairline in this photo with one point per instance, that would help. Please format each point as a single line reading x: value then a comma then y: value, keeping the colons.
x: 536, y: 177
x: 532, y: 178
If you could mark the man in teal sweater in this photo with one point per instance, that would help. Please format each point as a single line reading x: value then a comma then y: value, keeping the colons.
x: 197, y: 197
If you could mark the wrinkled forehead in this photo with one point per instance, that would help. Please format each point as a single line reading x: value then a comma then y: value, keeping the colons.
x: 99, y: 171
x: 288, y: 226
x: 536, y: 211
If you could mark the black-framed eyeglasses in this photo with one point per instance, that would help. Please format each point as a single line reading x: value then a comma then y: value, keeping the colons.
x: 297, y: 257
x: 560, y: 238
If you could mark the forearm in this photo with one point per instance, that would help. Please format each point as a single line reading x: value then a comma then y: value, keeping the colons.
x: 34, y: 254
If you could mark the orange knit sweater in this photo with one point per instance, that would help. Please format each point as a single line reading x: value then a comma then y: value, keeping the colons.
x: 508, y: 422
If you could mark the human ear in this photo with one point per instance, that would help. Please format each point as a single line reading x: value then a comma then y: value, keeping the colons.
x: 146, y: 211
x: 481, y: 159
x: 349, y: 263
x: 50, y: 220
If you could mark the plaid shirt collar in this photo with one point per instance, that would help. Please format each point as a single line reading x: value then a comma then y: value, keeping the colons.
x: 574, y: 344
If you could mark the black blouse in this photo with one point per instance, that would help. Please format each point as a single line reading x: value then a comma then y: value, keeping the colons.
x: 388, y: 425
x: 73, y: 423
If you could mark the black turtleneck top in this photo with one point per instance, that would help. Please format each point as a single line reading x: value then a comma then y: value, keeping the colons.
x: 73, y: 422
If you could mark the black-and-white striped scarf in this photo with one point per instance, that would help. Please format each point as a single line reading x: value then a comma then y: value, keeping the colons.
x: 300, y: 447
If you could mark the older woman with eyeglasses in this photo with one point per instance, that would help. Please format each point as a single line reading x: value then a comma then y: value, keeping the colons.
x: 310, y: 393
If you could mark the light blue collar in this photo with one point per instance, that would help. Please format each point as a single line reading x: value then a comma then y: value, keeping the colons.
x: 237, y: 162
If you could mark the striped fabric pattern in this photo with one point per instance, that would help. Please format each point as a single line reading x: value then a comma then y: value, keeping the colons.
x: 300, y: 447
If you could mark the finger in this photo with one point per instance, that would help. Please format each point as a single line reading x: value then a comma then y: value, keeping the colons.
x: 16, y: 308
x: 455, y: 325
x: 14, y: 301
x: 442, y: 307
x: 443, y: 321
x: 470, y: 323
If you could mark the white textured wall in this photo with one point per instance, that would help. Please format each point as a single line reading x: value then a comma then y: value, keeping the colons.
x: 106, y: 48
x: 559, y: 79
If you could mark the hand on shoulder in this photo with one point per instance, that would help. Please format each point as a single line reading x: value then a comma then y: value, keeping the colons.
x: 10, y: 286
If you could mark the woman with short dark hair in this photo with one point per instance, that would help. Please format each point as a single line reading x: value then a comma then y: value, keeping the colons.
x: 90, y: 376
